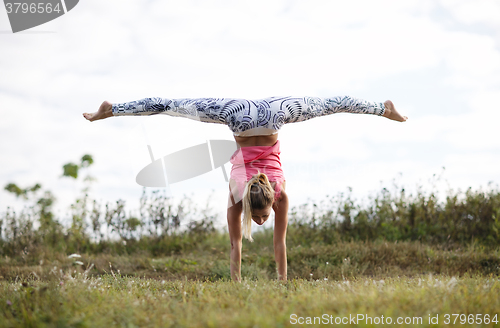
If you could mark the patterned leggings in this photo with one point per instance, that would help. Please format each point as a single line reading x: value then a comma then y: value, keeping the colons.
x: 250, y: 117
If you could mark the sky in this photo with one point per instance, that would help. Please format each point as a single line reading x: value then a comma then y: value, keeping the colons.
x: 438, y: 61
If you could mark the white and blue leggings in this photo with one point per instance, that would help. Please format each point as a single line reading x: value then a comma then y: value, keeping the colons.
x: 250, y: 117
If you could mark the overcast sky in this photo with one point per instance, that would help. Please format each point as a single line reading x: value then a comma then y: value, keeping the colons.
x: 438, y: 61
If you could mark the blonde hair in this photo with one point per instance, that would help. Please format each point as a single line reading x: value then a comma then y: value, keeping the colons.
x: 258, y: 194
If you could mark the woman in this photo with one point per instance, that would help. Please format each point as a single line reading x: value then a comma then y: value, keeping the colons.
x: 257, y: 182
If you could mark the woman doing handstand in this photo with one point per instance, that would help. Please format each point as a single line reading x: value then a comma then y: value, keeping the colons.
x: 257, y: 183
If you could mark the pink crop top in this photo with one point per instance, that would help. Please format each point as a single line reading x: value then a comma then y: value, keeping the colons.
x: 248, y: 161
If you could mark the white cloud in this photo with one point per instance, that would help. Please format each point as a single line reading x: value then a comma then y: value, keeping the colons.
x: 477, y: 11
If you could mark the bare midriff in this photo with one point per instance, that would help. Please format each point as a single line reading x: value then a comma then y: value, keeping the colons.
x: 252, y: 141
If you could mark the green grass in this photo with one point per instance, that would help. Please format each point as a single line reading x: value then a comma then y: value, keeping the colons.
x: 398, y: 255
x: 209, y: 260
x: 114, y: 300
x: 192, y: 288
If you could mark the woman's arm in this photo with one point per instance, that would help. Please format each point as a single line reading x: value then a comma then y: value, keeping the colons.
x: 234, y: 226
x: 280, y: 224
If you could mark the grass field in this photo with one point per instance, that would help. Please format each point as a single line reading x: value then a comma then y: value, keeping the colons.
x: 401, y: 260
x: 363, y: 284
x: 114, y: 300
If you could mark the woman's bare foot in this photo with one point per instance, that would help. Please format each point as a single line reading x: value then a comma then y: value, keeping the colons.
x: 104, y: 111
x: 391, y: 112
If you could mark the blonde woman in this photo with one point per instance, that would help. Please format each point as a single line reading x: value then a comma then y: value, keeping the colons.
x: 257, y: 182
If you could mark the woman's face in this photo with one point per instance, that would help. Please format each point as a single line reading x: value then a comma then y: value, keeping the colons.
x: 261, y: 216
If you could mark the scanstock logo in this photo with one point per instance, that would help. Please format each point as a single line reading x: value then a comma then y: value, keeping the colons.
x: 24, y: 15
x: 187, y: 163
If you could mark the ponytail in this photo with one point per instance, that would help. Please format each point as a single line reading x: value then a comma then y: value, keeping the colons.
x: 258, y: 194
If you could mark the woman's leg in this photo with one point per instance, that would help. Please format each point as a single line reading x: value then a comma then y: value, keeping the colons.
x: 238, y: 114
x: 302, y: 109
x: 213, y: 110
